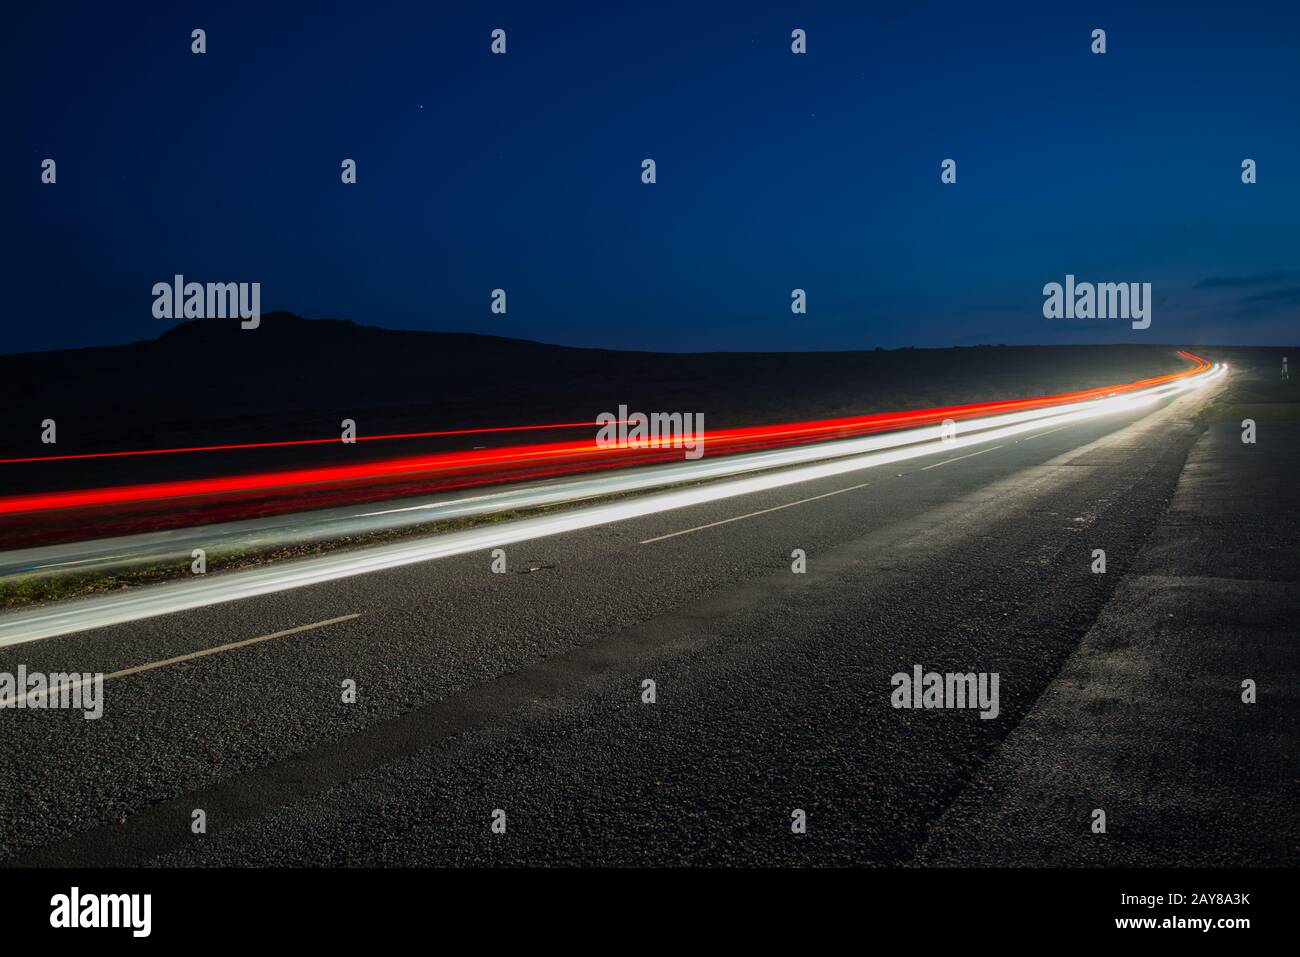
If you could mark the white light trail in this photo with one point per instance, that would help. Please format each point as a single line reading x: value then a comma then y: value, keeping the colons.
x: 848, y: 456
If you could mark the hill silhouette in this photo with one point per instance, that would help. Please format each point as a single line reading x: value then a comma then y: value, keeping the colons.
x: 209, y: 381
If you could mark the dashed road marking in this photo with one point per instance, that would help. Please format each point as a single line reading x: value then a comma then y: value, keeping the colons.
x: 764, y: 511
x: 960, y: 457
x: 231, y: 646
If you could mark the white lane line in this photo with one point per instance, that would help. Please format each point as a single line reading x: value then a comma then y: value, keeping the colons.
x: 960, y: 457
x: 762, y: 511
x: 231, y: 646
x: 1048, y: 432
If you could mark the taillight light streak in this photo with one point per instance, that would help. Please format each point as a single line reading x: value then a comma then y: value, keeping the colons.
x: 530, y: 456
x: 153, y: 601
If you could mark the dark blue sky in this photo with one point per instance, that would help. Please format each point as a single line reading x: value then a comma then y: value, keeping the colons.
x: 775, y: 171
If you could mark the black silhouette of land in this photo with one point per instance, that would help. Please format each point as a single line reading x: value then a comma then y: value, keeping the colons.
x: 207, y: 382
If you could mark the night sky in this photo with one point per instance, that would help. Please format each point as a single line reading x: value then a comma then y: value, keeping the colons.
x: 775, y: 170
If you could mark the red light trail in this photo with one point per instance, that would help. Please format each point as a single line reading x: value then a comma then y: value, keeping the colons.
x: 524, y: 461
x: 292, y: 442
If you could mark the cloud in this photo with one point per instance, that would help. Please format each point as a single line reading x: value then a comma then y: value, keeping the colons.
x: 1290, y: 295
x: 1237, y: 282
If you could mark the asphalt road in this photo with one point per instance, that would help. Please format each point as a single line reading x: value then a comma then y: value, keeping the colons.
x: 523, y: 691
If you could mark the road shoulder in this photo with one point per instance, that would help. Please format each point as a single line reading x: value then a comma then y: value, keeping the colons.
x: 1146, y: 721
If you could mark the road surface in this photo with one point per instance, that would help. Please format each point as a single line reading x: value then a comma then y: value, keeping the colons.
x: 523, y: 691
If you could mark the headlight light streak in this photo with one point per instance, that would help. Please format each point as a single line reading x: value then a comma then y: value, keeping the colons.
x: 845, y: 456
